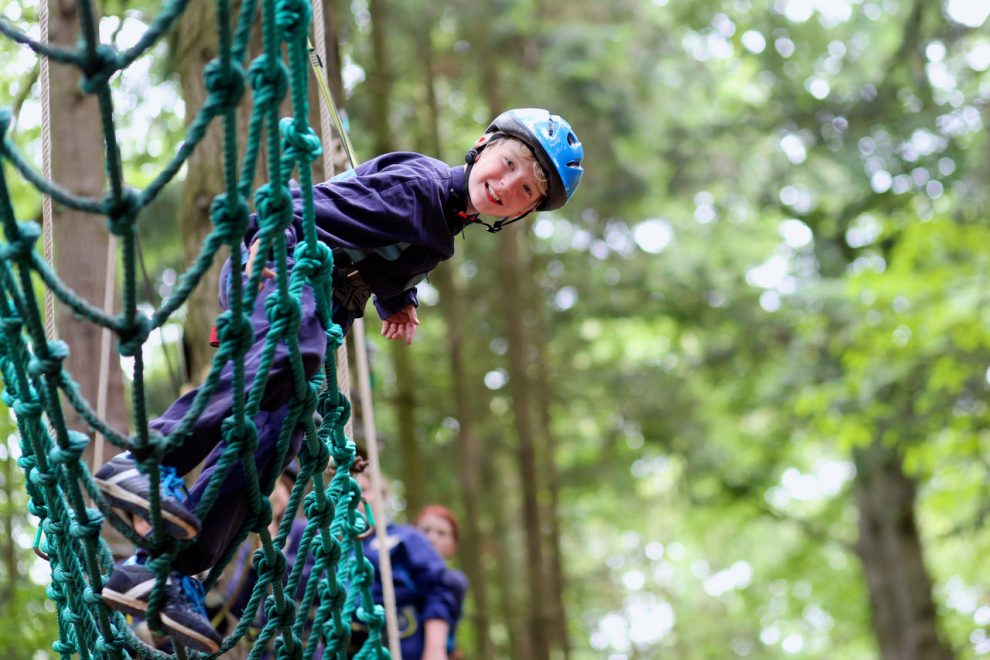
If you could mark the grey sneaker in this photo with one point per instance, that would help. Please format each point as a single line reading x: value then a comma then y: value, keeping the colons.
x: 125, y: 487
x: 183, y: 613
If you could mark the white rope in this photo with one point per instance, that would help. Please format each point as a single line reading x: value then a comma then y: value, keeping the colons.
x: 328, y: 113
x: 48, y: 235
x: 46, y: 168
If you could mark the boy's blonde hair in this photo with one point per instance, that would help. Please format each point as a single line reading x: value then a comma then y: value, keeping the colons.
x: 526, y: 153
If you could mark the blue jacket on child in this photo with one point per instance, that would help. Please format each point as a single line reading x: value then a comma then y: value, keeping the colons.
x: 422, y: 588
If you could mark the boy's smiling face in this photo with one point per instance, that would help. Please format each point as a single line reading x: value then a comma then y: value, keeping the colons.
x: 503, y: 182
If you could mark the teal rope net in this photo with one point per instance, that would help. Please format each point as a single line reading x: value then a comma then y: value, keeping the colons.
x: 38, y: 386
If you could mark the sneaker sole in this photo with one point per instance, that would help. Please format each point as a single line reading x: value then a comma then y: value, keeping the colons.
x: 175, y: 526
x: 124, y: 603
x: 137, y: 607
x: 189, y: 637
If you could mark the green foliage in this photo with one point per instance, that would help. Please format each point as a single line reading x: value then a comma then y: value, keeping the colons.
x: 27, y: 618
x: 776, y: 258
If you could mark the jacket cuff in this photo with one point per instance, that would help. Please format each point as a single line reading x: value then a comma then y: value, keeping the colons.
x: 388, y: 306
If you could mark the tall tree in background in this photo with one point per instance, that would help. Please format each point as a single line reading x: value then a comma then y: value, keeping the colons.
x: 451, y: 289
x: 380, y: 87
x: 80, y: 240
x: 195, y: 45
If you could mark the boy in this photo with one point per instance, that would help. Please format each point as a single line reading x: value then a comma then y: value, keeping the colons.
x: 389, y: 222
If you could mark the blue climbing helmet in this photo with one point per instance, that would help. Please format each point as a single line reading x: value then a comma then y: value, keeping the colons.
x: 555, y: 145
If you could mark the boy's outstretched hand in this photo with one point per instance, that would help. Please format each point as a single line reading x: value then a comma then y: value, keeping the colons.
x: 401, y: 325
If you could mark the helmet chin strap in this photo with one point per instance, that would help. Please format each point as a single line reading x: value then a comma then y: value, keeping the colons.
x: 496, y: 226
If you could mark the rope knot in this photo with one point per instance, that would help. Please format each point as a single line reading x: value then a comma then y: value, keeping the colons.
x: 230, y: 217
x: 225, y: 86
x: 67, y: 649
x: 315, y: 263
x: 318, y: 512
x: 244, y: 437
x: 293, y: 17
x: 332, y: 594
x: 283, y: 653
x: 99, y: 67
x: 274, y: 202
x: 21, y: 248
x: 122, y: 212
x: 284, y: 314
x: 300, y: 146
x: 49, y: 363
x: 77, y: 445
x: 269, y: 80
x: 336, y: 636
x: 132, y: 337
x: 336, y: 416
x: 26, y: 462
x: 27, y: 409
x: 90, y: 528
x: 40, y: 478
x: 106, y: 648
x: 235, y: 331
x: 288, y: 612
x: 343, y: 454
x: 37, y: 510
x: 375, y: 618
x: 268, y: 570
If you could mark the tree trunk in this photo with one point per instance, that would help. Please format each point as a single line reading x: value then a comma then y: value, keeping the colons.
x: 196, y: 44
x: 509, y: 268
x: 380, y: 78
x: 380, y: 85
x: 411, y: 470
x: 500, y: 483
x: 904, y: 618
x: 468, y: 455
x: 80, y: 239
x: 451, y: 290
x: 519, y: 388
x: 556, y: 609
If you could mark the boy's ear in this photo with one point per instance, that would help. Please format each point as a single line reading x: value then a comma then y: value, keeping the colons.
x: 472, y: 154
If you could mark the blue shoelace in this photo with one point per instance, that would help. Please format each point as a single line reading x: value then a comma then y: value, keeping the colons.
x: 172, y: 484
x: 192, y: 590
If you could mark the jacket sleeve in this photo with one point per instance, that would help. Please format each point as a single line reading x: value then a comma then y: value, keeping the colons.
x: 388, y: 200
x: 392, y: 211
x: 388, y: 306
x: 427, y: 570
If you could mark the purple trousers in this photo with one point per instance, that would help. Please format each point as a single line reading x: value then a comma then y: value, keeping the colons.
x: 204, y: 441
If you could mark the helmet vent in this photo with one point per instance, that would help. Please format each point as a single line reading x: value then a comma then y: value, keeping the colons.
x: 574, y: 163
x: 550, y: 126
x: 571, y: 138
